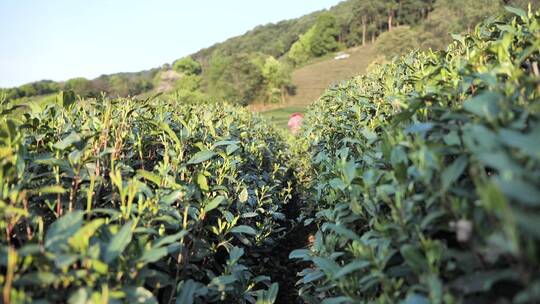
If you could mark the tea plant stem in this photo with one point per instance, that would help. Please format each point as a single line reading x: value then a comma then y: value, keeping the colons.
x: 11, y: 263
x: 26, y: 220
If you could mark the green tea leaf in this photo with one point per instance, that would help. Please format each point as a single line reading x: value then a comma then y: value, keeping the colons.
x: 520, y: 190
x: 326, y: 265
x: 172, y: 197
x: 415, y: 298
x: 244, y: 229
x: 55, y: 189
x: 221, y: 282
x: 244, y: 196
x: 118, y: 243
x: 337, y: 300
x: 454, y: 171
x: 153, y: 255
x: 165, y: 127
x: 232, y: 148
x: 63, y: 228
x: 79, y: 297
x: 213, y: 204
x: 304, y: 254
x: 482, y: 280
x: 342, y: 230
x: 154, y: 178
x: 201, y: 156
x: 349, y: 172
x: 140, y: 295
x: 67, y: 141
x: 517, y: 11
x: 484, y: 105
x: 414, y: 258
x: 40, y: 278
x: 351, y: 267
x: 235, y: 254
x: 186, y: 293
x: 270, y: 296
x: 202, y: 182
x: 81, y: 238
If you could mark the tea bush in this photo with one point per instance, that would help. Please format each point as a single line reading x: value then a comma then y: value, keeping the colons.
x: 425, y: 176
x: 137, y: 201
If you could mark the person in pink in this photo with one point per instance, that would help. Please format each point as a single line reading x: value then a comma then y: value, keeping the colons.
x: 295, y: 122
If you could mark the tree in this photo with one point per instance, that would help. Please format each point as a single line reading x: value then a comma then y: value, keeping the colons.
x: 435, y: 32
x: 188, y: 66
x: 237, y: 78
x: 365, y: 12
x: 325, y: 36
x: 80, y: 86
x: 27, y: 90
x: 276, y: 77
x: 300, y: 51
x: 410, y: 12
x: 118, y: 86
x: 189, y: 83
x: 320, y: 40
x: 391, y: 6
x: 470, y: 13
x: 397, y: 42
x: 188, y: 90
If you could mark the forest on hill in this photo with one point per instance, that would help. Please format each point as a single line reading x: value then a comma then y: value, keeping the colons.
x: 256, y: 66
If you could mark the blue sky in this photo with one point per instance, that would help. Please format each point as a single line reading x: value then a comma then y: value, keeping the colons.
x: 62, y: 39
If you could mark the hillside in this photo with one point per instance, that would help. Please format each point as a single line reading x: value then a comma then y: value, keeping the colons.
x: 312, y: 80
x: 233, y: 70
x: 256, y: 66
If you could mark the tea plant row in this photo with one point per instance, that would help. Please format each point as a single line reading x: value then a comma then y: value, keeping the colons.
x: 424, y: 176
x: 137, y: 201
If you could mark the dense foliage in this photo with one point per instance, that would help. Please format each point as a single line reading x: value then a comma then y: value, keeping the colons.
x: 320, y: 40
x: 137, y: 201
x: 425, y: 176
x: 43, y: 87
x: 187, y: 66
x: 244, y: 78
x: 399, y: 41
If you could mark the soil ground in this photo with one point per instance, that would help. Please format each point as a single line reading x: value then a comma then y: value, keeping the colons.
x: 275, y: 261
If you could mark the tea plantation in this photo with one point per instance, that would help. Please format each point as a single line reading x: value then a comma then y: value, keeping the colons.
x: 425, y: 176
x: 114, y: 200
x: 420, y: 181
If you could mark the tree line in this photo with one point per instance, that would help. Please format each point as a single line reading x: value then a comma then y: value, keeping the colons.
x: 257, y: 66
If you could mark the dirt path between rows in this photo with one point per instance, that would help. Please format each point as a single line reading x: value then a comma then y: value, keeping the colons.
x: 275, y: 261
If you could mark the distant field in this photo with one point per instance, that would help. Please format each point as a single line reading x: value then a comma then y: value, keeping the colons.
x: 311, y: 81
x: 280, y: 116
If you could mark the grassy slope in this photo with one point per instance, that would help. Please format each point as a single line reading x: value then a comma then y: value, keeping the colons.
x: 311, y: 81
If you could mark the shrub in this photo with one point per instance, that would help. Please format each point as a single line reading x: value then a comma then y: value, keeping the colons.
x: 425, y: 176
x: 137, y: 201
